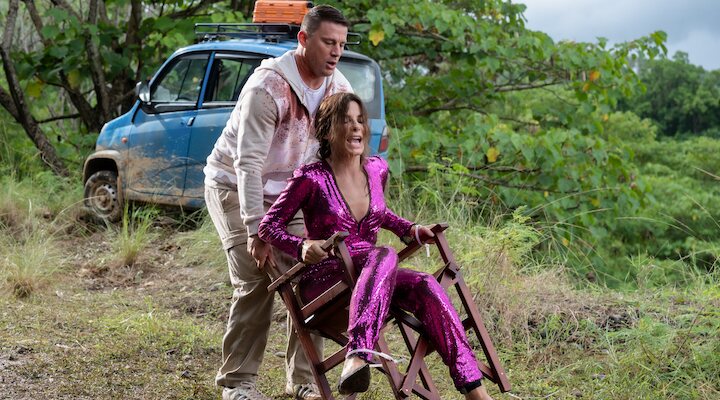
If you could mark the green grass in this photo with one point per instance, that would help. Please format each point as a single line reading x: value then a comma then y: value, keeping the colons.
x: 202, y: 246
x: 85, y: 333
x: 669, y: 351
x: 109, y: 345
x: 150, y: 342
x: 41, y: 202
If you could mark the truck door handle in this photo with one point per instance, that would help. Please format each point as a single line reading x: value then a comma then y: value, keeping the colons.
x: 190, y: 121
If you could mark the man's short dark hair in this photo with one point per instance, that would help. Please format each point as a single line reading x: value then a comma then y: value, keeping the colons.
x: 322, y: 13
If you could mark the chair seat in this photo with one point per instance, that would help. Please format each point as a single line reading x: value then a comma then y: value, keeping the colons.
x: 326, y: 299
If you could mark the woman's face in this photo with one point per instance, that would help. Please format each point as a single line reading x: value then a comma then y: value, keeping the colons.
x: 350, y: 139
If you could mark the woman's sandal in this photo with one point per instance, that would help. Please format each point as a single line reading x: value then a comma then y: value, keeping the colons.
x: 356, y: 381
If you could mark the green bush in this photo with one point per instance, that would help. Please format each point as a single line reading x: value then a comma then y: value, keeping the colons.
x: 681, y: 218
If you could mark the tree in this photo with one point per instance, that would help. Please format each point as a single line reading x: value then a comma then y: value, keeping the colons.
x: 474, y: 94
x: 680, y: 97
x: 14, y: 102
x: 81, y: 60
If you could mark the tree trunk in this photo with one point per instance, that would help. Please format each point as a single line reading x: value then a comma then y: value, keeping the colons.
x: 17, y: 107
x: 96, y: 69
x: 125, y: 82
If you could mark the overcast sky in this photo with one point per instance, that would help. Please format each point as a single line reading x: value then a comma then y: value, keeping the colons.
x: 692, y: 26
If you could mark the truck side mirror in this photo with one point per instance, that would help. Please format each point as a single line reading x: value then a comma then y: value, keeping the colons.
x: 142, y: 91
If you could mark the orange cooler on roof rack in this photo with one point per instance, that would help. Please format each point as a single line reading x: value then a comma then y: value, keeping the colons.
x: 286, y: 12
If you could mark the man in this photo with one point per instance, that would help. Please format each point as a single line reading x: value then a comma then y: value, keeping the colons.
x: 268, y: 136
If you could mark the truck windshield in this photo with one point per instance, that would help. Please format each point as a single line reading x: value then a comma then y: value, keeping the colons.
x: 182, y: 81
x: 365, y: 82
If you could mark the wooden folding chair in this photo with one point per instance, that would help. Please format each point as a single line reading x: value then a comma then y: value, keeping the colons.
x: 325, y: 315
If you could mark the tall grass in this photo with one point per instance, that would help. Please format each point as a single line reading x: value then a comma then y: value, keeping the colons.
x: 133, y: 235
x: 437, y: 196
x: 29, y: 263
x: 570, y: 335
x: 202, y: 246
x: 33, y: 214
x: 516, y: 287
x: 26, y: 204
x: 14, y: 205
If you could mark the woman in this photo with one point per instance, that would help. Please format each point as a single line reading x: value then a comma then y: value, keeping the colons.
x: 344, y: 192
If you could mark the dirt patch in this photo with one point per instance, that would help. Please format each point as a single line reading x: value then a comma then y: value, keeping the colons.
x: 544, y: 305
x: 13, y: 356
x: 14, y: 384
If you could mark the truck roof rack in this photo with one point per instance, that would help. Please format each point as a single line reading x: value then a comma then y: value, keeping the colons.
x: 270, y: 32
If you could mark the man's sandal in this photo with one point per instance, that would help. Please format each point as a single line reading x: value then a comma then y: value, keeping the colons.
x: 303, y: 391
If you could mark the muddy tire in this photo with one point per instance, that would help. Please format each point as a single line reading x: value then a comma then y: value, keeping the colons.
x: 102, y: 197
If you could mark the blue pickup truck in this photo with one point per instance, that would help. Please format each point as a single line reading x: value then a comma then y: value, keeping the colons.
x: 155, y: 153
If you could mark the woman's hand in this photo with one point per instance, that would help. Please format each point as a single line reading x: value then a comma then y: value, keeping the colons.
x: 312, y: 253
x: 422, y: 233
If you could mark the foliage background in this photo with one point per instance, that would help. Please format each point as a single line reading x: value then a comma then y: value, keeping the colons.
x: 581, y: 168
x: 590, y: 139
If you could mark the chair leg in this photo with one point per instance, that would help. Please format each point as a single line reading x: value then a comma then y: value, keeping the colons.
x: 309, y: 348
x: 315, y: 363
x: 478, y: 326
x: 405, y: 385
x: 418, y: 348
x: 391, y: 370
x: 449, y: 276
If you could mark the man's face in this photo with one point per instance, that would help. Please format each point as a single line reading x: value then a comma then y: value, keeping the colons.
x: 324, y: 47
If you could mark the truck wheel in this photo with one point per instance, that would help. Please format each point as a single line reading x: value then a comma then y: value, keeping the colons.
x: 102, y: 196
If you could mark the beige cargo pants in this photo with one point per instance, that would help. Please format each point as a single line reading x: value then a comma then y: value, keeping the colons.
x: 246, y: 336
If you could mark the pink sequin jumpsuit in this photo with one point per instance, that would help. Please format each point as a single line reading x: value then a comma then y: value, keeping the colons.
x: 380, y: 282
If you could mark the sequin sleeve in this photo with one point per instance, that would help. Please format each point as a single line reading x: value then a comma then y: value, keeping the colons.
x: 396, y: 224
x: 273, y: 228
x: 391, y: 221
